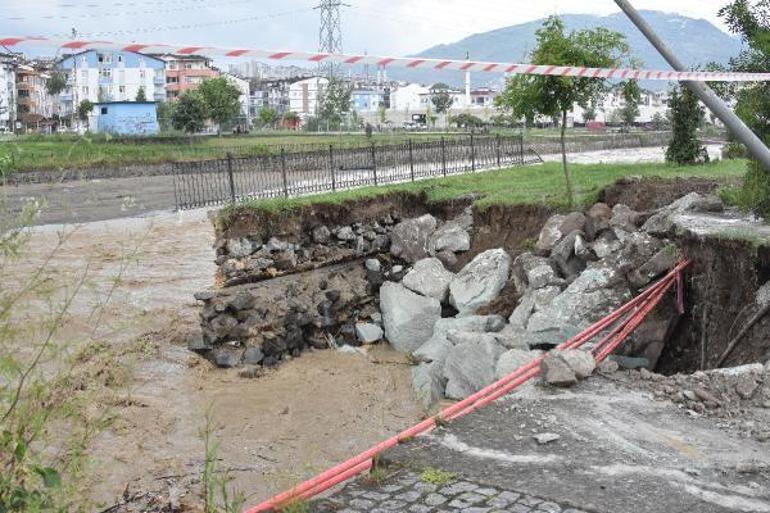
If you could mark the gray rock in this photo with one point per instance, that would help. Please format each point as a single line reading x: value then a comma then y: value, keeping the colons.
x: 624, y: 218
x: 662, y: 262
x: 546, y: 438
x: 242, y: 301
x: 606, y: 245
x: 321, y: 234
x: 373, y: 265
x: 583, y: 251
x: 661, y: 225
x: 368, y: 333
x: 762, y: 295
x: 408, y: 318
x: 480, y: 282
x: 449, y: 237
x: 629, y: 362
x: 275, y: 244
x: 447, y: 258
x: 522, y: 312
x: 457, y: 338
x: 429, y: 278
x: 512, y: 360
x: 409, y: 239
x: 346, y: 234
x: 198, y: 344
x: 470, y: 367
x: 381, y: 243
x: 253, y: 355
x: 582, y: 363
x: 596, y: 292
x: 555, y: 371
x: 435, y: 350
x: 530, y: 271
x: 223, y: 324
x: 239, y: 248
x: 428, y: 383
x: 563, y: 255
x: 556, y: 228
x: 512, y: 338
x: 437, y: 347
x: 376, y: 318
x: 597, y: 220
x: 205, y: 295
x: 227, y: 357
x: 285, y: 260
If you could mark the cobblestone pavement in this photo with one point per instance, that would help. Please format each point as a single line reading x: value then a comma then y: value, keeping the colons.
x: 405, y: 491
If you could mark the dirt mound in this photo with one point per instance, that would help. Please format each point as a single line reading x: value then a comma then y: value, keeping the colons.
x: 652, y: 193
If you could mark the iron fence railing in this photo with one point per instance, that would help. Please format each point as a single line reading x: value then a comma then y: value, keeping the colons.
x: 295, y: 173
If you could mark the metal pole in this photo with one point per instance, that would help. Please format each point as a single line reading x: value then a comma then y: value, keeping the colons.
x: 283, y: 172
x: 230, y: 176
x: 497, y: 142
x: 473, y: 155
x: 411, y: 160
x: 443, y: 156
x: 331, y: 167
x: 374, y: 162
x: 733, y: 123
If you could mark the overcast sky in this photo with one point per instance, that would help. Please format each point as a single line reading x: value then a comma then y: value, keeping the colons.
x: 391, y: 27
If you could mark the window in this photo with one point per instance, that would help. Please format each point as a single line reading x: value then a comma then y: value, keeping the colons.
x: 105, y: 58
x: 121, y: 89
x: 120, y: 57
x: 104, y: 110
x: 106, y: 73
x: 84, y: 90
x: 142, y: 74
x: 84, y: 74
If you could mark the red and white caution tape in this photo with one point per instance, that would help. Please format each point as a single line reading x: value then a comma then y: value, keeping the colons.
x: 402, y: 62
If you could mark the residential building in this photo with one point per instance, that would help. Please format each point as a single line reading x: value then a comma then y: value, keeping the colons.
x: 304, y: 95
x: 370, y: 99
x: 105, y: 76
x: 244, y: 87
x: 409, y: 98
x: 483, y: 97
x: 186, y: 72
x: 35, y: 108
x: 8, y: 65
x: 128, y: 118
x: 270, y: 93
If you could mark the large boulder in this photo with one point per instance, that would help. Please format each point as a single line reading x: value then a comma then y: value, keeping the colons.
x: 450, y: 237
x: 662, y: 262
x: 408, y: 318
x: 556, y: 228
x: 480, y: 282
x: 661, y: 223
x: 512, y: 360
x: 438, y: 346
x: 565, y: 368
x: 409, y: 239
x: 428, y: 382
x: 599, y: 290
x: 625, y: 219
x: 470, y: 367
x: 533, y: 301
x: 429, y: 278
x: 533, y: 272
x: 563, y: 255
x: 597, y: 220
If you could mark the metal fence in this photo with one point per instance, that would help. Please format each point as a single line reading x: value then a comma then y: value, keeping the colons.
x: 213, y: 182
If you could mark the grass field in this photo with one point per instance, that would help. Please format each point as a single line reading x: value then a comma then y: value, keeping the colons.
x: 522, y: 185
x: 32, y: 153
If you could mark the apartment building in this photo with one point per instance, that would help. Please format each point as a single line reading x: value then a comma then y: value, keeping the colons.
x: 35, y: 107
x: 185, y: 72
x: 8, y: 65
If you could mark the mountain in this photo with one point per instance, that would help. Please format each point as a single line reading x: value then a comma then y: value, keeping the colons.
x: 695, y: 41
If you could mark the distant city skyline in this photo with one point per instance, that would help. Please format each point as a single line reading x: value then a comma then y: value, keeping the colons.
x: 398, y: 27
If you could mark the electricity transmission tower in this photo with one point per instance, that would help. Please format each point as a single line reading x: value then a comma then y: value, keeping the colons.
x: 330, y: 34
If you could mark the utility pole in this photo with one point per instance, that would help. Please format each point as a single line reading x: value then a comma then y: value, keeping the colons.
x: 330, y: 34
x: 733, y: 123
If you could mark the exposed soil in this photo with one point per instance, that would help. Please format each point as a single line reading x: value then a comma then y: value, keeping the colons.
x: 650, y: 193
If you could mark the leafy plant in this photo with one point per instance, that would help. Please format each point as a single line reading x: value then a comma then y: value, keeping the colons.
x: 554, y: 96
x: 221, y: 99
x: 437, y: 476
x: 441, y: 98
x: 84, y: 110
x: 56, y: 83
x: 217, y: 496
x: 141, y: 95
x: 632, y: 95
x: 334, y: 104
x: 189, y: 113
x: 268, y: 117
x: 686, y: 117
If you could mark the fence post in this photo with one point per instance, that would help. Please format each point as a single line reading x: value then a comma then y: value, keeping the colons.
x: 497, y: 143
x: 521, y: 149
x: 374, y: 162
x: 411, y: 160
x: 473, y: 155
x: 230, y: 176
x: 443, y: 156
x: 331, y: 167
x: 283, y: 173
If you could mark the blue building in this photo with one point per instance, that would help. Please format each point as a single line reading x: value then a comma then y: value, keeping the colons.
x: 125, y: 118
x: 368, y: 100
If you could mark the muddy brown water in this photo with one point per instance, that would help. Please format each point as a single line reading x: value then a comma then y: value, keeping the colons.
x: 274, y: 431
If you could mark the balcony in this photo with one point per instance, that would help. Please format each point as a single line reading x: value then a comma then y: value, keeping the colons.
x: 159, y: 80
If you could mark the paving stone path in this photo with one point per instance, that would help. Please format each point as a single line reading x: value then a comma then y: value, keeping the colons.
x: 405, y: 491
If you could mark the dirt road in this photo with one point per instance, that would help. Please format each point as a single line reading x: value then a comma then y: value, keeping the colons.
x: 274, y: 430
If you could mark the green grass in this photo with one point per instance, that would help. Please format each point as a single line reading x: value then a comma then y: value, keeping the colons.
x: 541, y: 185
x: 31, y: 153
x: 437, y: 476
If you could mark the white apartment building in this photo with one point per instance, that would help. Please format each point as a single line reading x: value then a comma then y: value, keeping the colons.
x: 7, y: 93
x: 304, y: 95
x: 111, y: 76
x: 244, y: 99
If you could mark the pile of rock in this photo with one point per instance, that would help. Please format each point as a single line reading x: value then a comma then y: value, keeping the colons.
x: 249, y: 256
x: 583, y: 266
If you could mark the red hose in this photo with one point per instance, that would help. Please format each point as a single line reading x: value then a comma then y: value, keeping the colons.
x: 644, y: 303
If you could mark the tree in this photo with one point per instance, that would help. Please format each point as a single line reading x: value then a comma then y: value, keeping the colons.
x: 589, y: 112
x: 335, y: 103
x: 441, y: 98
x: 84, y: 110
x: 268, y: 116
x: 751, y: 21
x: 632, y: 95
x: 165, y: 115
x: 141, y: 96
x: 221, y: 100
x: 467, y: 121
x: 686, y: 117
x: 56, y: 83
x: 189, y: 112
x: 660, y: 122
x: 555, y: 96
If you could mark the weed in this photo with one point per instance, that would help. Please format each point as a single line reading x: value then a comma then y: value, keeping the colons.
x: 296, y: 506
x: 217, y: 497
x: 436, y: 476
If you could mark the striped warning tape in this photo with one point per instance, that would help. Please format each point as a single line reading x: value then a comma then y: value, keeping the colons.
x: 403, y: 62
